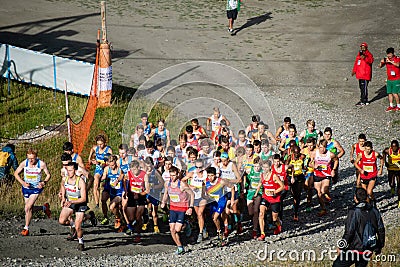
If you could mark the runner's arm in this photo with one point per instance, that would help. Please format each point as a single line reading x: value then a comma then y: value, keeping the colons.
x: 146, y: 185
x: 382, y: 162
x: 228, y: 123
x: 165, y: 196
x: 83, y: 197
x: 282, y: 145
x: 340, y: 149
x: 92, y: 161
x: 357, y: 161
x: 281, y: 185
x: 46, y: 171
x: 353, y: 147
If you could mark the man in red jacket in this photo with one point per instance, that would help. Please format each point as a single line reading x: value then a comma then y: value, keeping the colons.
x: 363, y: 71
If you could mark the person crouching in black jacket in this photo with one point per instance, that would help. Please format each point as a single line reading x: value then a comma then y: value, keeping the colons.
x: 364, y: 233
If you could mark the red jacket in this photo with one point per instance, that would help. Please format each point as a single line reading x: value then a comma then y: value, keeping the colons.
x: 363, y: 67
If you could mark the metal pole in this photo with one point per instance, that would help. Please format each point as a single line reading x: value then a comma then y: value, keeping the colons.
x: 54, y: 75
x: 103, y: 21
x: 67, y: 110
x: 8, y: 68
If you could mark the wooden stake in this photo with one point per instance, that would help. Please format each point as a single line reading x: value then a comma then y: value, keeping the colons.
x: 103, y: 22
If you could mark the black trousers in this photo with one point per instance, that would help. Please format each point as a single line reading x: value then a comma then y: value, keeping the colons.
x: 363, y: 90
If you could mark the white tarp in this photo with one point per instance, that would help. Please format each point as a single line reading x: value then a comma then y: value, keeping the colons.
x: 46, y: 70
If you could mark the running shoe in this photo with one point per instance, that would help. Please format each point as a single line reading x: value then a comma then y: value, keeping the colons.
x: 261, y: 237
x: 226, y: 232
x: 180, y: 251
x: 117, y: 224
x: 121, y: 229
x: 366, y: 103
x: 188, y: 229
x: 295, y: 218
x: 25, y: 232
x: 156, y: 230
x: 322, y: 213
x: 144, y: 227
x: 137, y: 239
x: 396, y: 109
x: 327, y: 197
x: 73, y: 235
x: 239, y: 228
x: 46, y: 209
x: 360, y: 104
x: 104, y: 221
x: 205, y: 233
x: 128, y: 232
x: 389, y: 108
x: 81, y: 247
x: 254, y: 234
x: 278, y: 229
x: 93, y: 219
x: 200, y: 238
x: 393, y: 191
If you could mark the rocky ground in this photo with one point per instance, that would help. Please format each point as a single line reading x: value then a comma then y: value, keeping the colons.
x: 299, y: 53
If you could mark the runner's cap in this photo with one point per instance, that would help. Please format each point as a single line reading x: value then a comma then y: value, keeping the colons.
x: 364, y: 44
x: 224, y: 155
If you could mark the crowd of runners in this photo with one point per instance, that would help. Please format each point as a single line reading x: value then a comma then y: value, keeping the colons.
x: 208, y: 175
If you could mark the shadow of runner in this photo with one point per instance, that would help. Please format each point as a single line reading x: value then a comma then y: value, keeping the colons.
x: 380, y: 93
x: 253, y: 21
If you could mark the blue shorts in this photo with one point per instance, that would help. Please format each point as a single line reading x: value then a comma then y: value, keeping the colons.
x: 229, y: 195
x: 27, y: 192
x: 218, y: 207
x: 115, y: 192
x: 152, y: 200
x: 176, y: 216
x: 308, y: 175
x: 98, y: 170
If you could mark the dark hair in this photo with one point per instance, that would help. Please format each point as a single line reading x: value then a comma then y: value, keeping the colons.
x: 135, y: 164
x: 390, y: 50
x: 217, y: 153
x: 255, y: 118
x: 241, y: 132
x: 328, y: 130
x: 277, y: 156
x: 195, y: 121
x: 368, y: 144
x: 150, y: 144
x: 168, y: 158
x: 170, y: 148
x: 264, y: 142
x: 362, y: 136
x: 224, y: 139
x: 361, y: 194
x: 256, y: 143
x: 149, y: 161
x: 142, y: 137
x: 66, y: 157
x: 123, y: 147
x: 189, y: 129
x: 287, y: 119
x: 73, y: 164
x: 141, y: 147
x: 68, y: 146
x: 292, y: 126
x: 394, y: 142
x: 144, y: 115
x: 211, y: 170
x: 311, y: 140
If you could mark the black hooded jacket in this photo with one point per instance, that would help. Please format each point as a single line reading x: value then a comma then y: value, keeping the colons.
x: 354, y: 227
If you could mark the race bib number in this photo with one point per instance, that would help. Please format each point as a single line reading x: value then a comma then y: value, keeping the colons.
x: 116, y: 185
x: 368, y: 168
x: 322, y: 167
x: 359, y: 62
x: 174, y: 198
x: 72, y: 198
x: 297, y: 167
x: 392, y: 73
x: 136, y: 190
x: 268, y: 192
x: 254, y: 185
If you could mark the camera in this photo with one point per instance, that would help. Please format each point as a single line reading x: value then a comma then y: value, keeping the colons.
x: 361, y: 52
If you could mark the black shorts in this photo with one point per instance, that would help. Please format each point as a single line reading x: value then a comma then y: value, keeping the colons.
x: 135, y: 202
x: 232, y: 14
x: 274, y: 207
x: 366, y: 181
x: 392, y: 174
x: 318, y: 179
x: 82, y: 207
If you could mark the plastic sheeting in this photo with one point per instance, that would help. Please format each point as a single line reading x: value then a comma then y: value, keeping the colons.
x: 46, y: 70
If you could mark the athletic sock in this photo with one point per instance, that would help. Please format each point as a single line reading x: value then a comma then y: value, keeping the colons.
x: 80, y: 240
x: 391, y: 105
x: 26, y: 227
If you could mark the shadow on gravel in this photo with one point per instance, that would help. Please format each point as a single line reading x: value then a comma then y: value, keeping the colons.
x: 254, y: 21
x: 381, y: 93
x: 51, y: 40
